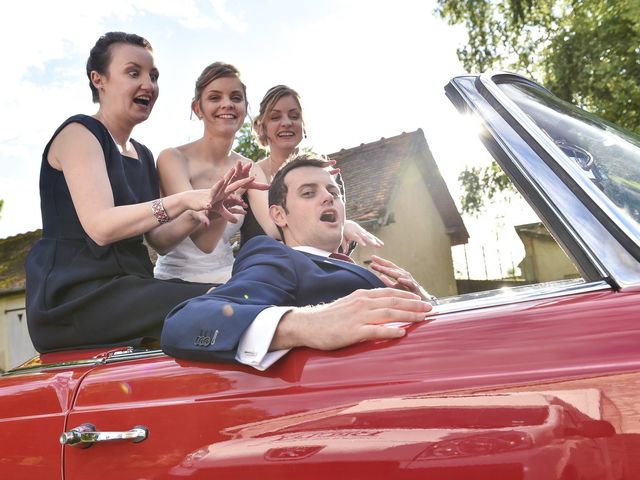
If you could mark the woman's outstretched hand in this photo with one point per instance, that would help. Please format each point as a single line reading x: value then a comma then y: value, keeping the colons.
x: 355, y: 233
x: 225, y: 202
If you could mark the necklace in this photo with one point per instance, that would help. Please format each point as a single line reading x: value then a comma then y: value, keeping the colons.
x: 271, y: 172
x: 127, y: 143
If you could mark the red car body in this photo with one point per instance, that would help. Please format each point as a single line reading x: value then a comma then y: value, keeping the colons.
x: 539, y: 383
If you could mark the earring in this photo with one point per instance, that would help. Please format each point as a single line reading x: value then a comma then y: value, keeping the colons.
x: 304, y: 133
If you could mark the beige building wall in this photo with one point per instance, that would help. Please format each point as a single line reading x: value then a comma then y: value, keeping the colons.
x: 545, y: 261
x: 15, y: 344
x: 417, y: 240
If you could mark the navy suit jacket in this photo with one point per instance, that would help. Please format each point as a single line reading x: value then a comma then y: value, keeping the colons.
x: 265, y: 273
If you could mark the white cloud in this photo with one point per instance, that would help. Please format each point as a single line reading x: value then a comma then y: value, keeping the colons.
x: 365, y: 69
x: 232, y: 20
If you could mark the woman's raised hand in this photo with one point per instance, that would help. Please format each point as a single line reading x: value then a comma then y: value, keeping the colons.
x: 225, y: 201
x: 355, y: 233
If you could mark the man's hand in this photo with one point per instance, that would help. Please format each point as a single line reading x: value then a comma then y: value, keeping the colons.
x: 395, y: 277
x: 359, y: 316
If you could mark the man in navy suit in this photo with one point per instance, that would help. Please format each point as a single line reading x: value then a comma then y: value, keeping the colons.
x: 282, y: 296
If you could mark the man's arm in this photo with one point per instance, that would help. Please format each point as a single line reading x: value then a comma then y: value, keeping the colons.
x: 362, y: 315
x: 210, y: 326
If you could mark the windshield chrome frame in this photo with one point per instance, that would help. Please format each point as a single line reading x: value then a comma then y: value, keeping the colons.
x: 598, y: 198
x: 514, y: 138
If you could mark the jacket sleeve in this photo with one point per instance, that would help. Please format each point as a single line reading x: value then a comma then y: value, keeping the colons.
x: 209, y: 327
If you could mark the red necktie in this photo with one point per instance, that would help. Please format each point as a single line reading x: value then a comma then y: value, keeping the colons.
x: 341, y: 256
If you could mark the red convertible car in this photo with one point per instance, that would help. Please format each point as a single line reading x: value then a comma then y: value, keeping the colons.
x: 540, y: 381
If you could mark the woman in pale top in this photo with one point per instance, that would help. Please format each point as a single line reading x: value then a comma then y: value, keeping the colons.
x: 279, y: 127
x: 89, y: 278
x: 220, y: 102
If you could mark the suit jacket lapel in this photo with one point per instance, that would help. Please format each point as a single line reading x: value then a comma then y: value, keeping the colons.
x: 357, y: 269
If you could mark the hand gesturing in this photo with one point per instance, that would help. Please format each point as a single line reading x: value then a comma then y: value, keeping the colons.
x: 225, y: 202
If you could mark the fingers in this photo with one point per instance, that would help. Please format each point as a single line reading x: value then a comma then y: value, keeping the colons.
x: 370, y: 240
x: 344, y: 245
x: 255, y: 185
x: 354, y: 232
x: 395, y: 273
x: 382, y: 293
x: 236, y: 184
x: 200, y: 217
x: 386, y: 281
x: 373, y: 332
x: 383, y: 261
x: 227, y: 215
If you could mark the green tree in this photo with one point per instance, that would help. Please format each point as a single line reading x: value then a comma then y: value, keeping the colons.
x: 585, y: 51
x: 247, y: 145
x: 1, y: 204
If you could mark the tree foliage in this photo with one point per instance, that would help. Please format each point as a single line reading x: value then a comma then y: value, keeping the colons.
x: 246, y: 144
x: 1, y: 204
x: 585, y: 51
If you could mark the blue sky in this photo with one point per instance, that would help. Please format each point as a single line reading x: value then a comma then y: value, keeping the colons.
x: 365, y: 69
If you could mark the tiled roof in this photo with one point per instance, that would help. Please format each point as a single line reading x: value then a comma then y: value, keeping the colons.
x: 370, y: 172
x: 13, y: 251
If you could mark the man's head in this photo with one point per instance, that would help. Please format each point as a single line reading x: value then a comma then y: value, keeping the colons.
x: 306, y: 205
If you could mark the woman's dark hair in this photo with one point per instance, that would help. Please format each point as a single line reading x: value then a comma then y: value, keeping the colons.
x: 213, y: 72
x: 100, y: 54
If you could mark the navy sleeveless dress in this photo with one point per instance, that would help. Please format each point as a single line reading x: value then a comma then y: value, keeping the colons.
x: 80, y: 294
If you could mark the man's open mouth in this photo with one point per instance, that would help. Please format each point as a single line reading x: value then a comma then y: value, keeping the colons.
x: 328, y: 217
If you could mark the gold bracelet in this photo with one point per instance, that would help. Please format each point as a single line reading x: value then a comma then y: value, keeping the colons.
x: 157, y: 207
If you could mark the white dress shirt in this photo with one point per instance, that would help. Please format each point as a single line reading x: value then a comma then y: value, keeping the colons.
x: 253, y: 348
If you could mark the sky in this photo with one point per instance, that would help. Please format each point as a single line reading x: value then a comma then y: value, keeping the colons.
x: 365, y: 69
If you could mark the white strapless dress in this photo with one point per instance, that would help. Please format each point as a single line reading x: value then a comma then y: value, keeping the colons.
x: 187, y: 262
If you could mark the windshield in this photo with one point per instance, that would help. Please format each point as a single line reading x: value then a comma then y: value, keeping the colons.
x: 606, y: 154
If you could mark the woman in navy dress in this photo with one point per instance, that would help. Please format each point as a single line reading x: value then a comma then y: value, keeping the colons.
x: 89, y: 278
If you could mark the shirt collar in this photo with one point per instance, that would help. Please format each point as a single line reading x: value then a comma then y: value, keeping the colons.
x: 312, y: 250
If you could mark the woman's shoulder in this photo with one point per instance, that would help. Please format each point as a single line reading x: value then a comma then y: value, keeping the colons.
x: 87, y: 121
x: 76, y: 130
x: 173, y: 155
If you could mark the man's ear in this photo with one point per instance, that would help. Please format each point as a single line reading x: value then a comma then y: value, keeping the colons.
x: 278, y: 215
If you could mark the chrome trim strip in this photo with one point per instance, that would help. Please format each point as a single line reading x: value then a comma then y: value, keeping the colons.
x: 132, y: 355
x: 113, y: 357
x: 509, y: 296
x: 91, y: 362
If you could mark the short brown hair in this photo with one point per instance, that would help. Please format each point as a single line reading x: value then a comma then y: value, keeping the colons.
x: 278, y: 188
x: 100, y: 55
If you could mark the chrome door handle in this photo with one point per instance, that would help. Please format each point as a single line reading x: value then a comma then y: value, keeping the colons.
x: 85, y: 435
